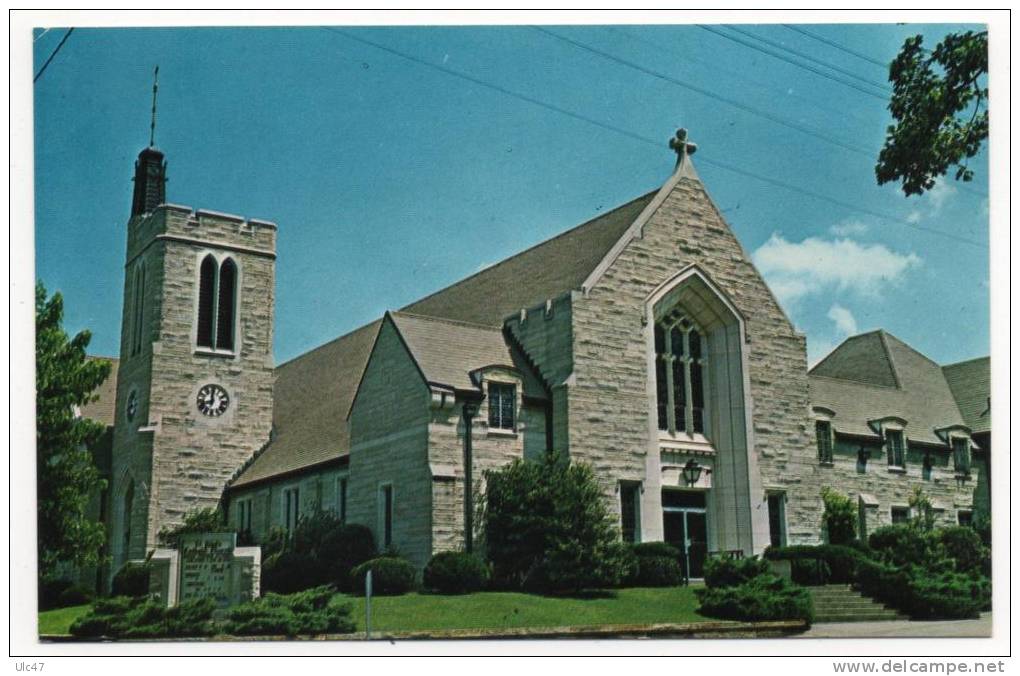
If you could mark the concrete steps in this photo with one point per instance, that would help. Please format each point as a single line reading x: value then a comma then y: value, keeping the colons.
x: 839, y: 603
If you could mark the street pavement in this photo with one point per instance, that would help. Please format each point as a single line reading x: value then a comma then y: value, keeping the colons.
x: 980, y: 628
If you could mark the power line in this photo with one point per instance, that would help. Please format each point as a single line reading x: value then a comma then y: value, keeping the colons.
x: 804, y: 66
x: 62, y: 41
x: 644, y: 139
x: 704, y: 92
x: 833, y: 43
x: 808, y: 57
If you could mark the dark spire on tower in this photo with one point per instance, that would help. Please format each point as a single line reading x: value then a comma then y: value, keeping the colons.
x: 150, y: 168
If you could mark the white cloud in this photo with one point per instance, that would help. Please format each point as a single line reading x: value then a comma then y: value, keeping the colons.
x: 914, y: 216
x: 848, y: 228
x: 843, y: 319
x: 940, y: 192
x: 815, y: 265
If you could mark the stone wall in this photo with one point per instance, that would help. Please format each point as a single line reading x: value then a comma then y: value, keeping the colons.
x: 389, y: 426
x: 609, y: 405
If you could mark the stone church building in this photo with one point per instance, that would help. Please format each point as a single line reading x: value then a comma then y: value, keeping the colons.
x: 643, y: 342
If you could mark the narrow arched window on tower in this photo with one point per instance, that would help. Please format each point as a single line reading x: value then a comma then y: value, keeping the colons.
x: 225, y: 306
x: 139, y: 308
x: 206, y: 302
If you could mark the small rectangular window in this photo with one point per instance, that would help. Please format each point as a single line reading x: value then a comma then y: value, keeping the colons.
x: 292, y: 508
x: 341, y: 499
x: 387, y: 515
x: 823, y: 434
x: 894, y: 444
x: 244, y: 515
x: 900, y: 514
x: 777, y: 519
x: 961, y: 455
x: 629, y: 510
x: 502, y: 405
x: 965, y: 517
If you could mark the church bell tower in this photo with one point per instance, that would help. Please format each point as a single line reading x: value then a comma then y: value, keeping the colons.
x: 195, y: 384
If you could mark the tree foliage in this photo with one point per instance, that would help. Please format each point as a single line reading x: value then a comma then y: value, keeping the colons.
x: 840, y: 517
x: 66, y: 475
x: 939, y: 103
x: 547, y: 527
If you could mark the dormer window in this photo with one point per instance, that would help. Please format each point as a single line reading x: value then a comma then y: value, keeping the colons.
x: 502, y: 405
x: 679, y: 375
x: 895, y: 448
x: 823, y: 435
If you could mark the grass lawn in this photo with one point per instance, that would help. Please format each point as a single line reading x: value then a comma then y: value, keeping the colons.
x: 491, y: 610
x: 496, y: 610
x: 59, y: 621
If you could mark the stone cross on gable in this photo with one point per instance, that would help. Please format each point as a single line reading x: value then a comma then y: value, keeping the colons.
x: 681, y: 147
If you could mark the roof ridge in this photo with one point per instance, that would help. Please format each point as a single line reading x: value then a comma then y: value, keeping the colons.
x: 910, y: 347
x: 859, y: 383
x: 446, y: 320
x: 966, y: 361
x: 530, y: 248
x: 888, y: 355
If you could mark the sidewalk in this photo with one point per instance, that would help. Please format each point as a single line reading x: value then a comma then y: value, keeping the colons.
x: 980, y: 628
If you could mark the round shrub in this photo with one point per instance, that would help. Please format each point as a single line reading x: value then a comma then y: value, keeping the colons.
x: 723, y: 571
x: 658, y: 571
x: 344, y: 548
x: 288, y: 572
x: 899, y: 545
x: 60, y: 593
x: 131, y: 580
x: 656, y: 549
x: 963, y: 545
x: 455, y: 573
x: 390, y: 576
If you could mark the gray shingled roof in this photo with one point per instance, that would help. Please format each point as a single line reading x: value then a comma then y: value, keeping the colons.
x: 447, y: 350
x: 313, y: 393
x: 103, y: 408
x: 971, y: 384
x: 918, y: 393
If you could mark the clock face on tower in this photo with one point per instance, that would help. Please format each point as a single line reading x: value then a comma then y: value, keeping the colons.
x: 213, y: 400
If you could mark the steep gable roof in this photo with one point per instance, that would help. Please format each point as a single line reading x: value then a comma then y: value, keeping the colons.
x: 313, y: 393
x: 878, y: 375
x: 971, y: 384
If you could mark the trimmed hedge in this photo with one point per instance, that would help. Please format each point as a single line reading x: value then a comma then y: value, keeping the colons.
x: 765, y: 597
x: 658, y: 571
x: 139, y: 617
x: 390, y: 577
x: 925, y: 594
x: 131, y: 580
x: 455, y: 573
x: 310, y: 612
x: 726, y: 572
x: 839, y: 562
x: 643, y: 549
x: 60, y: 593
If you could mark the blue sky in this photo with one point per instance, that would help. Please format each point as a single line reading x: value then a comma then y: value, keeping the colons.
x: 390, y: 179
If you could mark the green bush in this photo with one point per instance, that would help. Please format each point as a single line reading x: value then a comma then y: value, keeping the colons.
x: 311, y: 612
x: 322, y: 550
x: 61, y: 593
x: 656, y: 549
x: 207, y: 520
x: 390, y: 576
x: 721, y: 571
x: 948, y: 596
x: 658, y: 571
x: 547, y: 527
x: 839, y: 518
x: 131, y: 580
x: 765, y: 597
x: 810, y: 572
x: 963, y: 545
x: 455, y: 573
x: 900, y: 545
x: 836, y: 563
x: 139, y: 617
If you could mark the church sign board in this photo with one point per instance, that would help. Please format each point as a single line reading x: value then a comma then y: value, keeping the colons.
x: 206, y: 565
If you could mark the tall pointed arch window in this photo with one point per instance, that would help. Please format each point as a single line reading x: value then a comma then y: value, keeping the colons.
x: 128, y: 507
x: 679, y: 373
x: 217, y: 303
x: 138, y: 310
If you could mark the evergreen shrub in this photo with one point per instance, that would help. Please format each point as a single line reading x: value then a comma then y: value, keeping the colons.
x: 390, y: 577
x: 455, y: 573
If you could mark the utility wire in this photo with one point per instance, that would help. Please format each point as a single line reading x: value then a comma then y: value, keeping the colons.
x: 833, y: 43
x: 704, y: 92
x: 808, y: 57
x: 62, y: 41
x: 646, y: 140
x: 804, y: 66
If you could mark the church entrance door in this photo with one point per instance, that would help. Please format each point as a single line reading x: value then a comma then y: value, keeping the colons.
x: 686, y: 528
